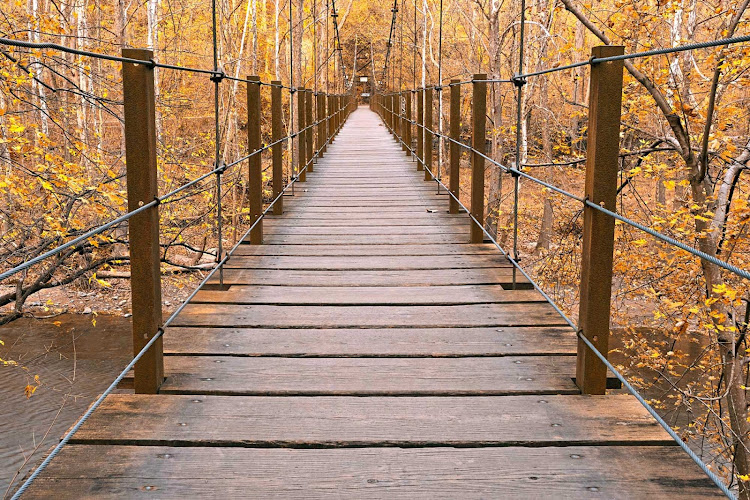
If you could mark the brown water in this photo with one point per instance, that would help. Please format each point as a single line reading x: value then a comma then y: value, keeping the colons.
x: 75, y: 362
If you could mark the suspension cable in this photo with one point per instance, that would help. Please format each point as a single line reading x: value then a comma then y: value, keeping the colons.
x: 579, y: 333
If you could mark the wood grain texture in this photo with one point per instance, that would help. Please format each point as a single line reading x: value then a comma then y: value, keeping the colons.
x: 368, y: 250
x: 613, y: 472
x: 363, y: 295
x: 457, y: 316
x: 343, y: 421
x: 371, y: 342
x: 389, y: 278
x: 371, y: 262
x: 369, y: 376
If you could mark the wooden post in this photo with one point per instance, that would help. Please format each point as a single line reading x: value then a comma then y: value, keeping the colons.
x: 255, y: 175
x: 427, y: 133
x: 311, y: 135
x: 420, y: 130
x: 397, y: 115
x: 407, y: 123
x: 335, y: 115
x: 329, y: 117
x: 143, y: 228
x: 455, y: 150
x: 277, y: 149
x: 605, y: 100
x: 320, y: 109
x: 301, y: 140
x: 478, y: 143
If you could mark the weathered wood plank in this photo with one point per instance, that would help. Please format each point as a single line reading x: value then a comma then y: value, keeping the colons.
x: 372, y: 262
x: 347, y: 296
x: 457, y: 316
x: 265, y: 376
x: 110, y: 472
x: 376, y: 231
x: 371, y: 342
x: 367, y: 250
x: 419, y: 277
x: 358, y: 239
x: 405, y: 222
x: 343, y: 421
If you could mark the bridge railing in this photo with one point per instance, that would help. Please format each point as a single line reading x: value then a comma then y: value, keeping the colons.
x: 322, y: 116
x: 312, y: 135
x: 598, y: 202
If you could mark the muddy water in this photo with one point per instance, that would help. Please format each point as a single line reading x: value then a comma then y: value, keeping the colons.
x: 75, y: 362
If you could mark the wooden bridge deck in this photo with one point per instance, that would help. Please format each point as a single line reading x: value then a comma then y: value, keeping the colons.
x: 366, y: 350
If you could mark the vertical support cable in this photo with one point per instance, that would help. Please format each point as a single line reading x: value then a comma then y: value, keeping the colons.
x: 519, y: 83
x: 291, y: 92
x: 216, y: 78
x: 414, y: 51
x: 439, y: 89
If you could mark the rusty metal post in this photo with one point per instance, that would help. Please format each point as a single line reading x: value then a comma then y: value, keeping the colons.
x: 301, y: 139
x: 420, y: 129
x: 428, y: 134
x: 311, y: 132
x: 455, y: 150
x: 407, y: 122
x: 605, y: 100
x: 255, y: 175
x: 143, y: 228
x: 478, y: 143
x: 277, y: 132
x: 320, y: 110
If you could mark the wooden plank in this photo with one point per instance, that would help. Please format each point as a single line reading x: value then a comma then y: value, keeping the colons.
x: 394, y: 262
x: 346, y: 296
x: 372, y: 342
x: 419, y: 277
x: 367, y: 250
x: 439, y: 205
x: 358, y: 239
x: 111, y: 472
x: 413, y: 231
x: 458, y: 316
x: 343, y: 421
x: 404, y: 222
x: 266, y: 376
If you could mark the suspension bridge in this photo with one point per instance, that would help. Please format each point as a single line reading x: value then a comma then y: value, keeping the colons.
x: 367, y: 337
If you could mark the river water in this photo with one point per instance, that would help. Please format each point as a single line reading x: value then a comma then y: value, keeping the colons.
x: 75, y: 362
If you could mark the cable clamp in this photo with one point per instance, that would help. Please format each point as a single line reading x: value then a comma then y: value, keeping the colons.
x: 221, y: 168
x: 518, y: 80
x: 218, y: 76
x: 292, y: 90
x: 157, y: 200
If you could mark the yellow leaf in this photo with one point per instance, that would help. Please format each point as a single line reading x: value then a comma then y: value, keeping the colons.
x: 29, y: 390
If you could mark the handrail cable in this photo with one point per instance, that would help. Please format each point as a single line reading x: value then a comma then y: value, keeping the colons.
x: 156, y: 201
x: 711, y: 475
x: 150, y: 63
x: 634, y: 55
x: 160, y: 332
x: 667, y: 239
